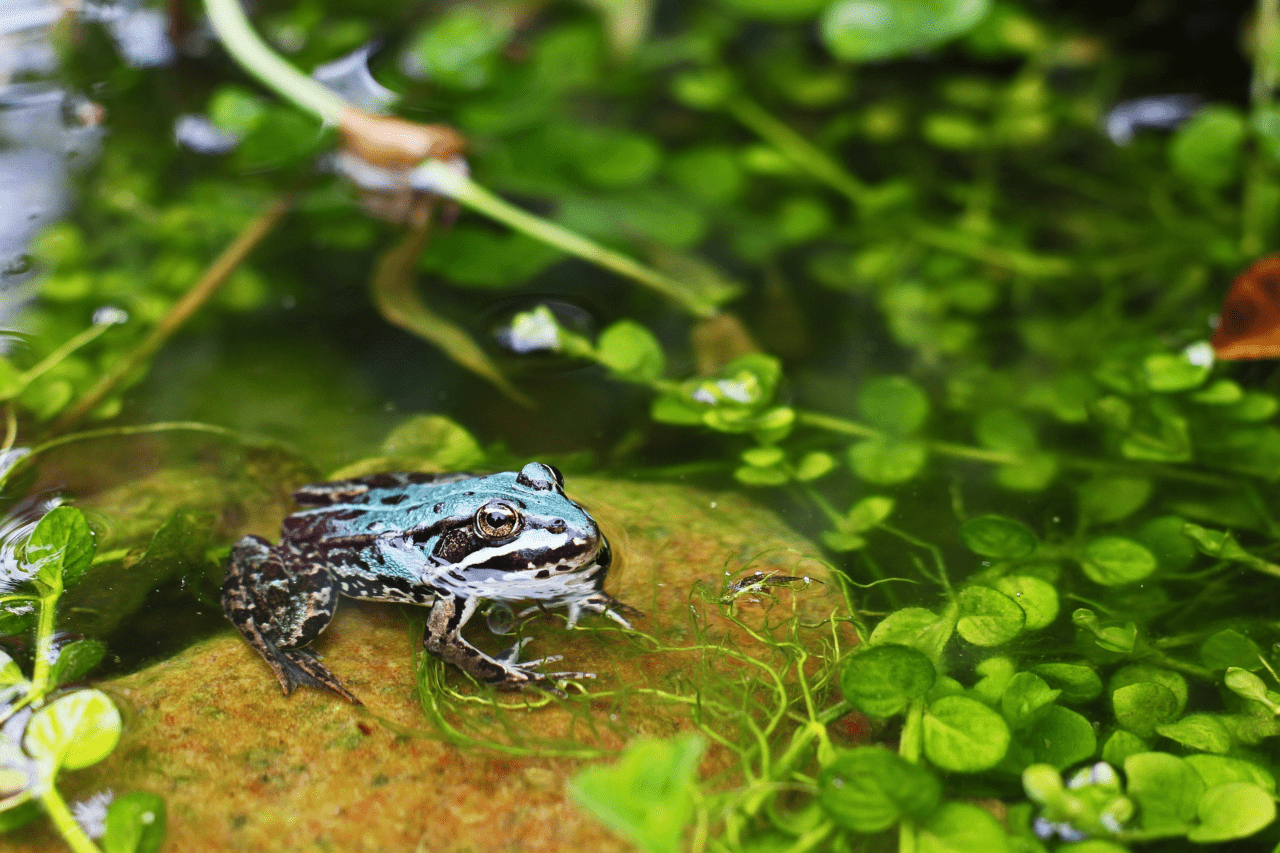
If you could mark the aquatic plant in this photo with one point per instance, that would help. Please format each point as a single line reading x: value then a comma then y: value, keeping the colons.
x: 48, y: 726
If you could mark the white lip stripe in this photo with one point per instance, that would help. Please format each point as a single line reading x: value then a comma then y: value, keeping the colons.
x: 530, y: 540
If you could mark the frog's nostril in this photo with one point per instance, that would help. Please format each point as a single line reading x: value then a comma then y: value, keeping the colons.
x: 557, y: 526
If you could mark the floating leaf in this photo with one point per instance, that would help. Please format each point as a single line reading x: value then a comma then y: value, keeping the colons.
x: 1062, y: 738
x: 1143, y: 706
x: 997, y: 536
x: 61, y: 546
x: 73, y: 731
x: 1202, y: 732
x: 1077, y: 683
x: 887, y: 461
x: 75, y: 659
x: 869, y: 789
x: 1114, y: 560
x: 1166, y: 788
x: 894, y: 404
x: 136, y: 823
x: 1232, y: 810
x: 881, y: 680
x: 962, y: 828
x: 647, y: 795
x: 963, y: 735
x: 1026, y: 700
x: 863, y: 30
x: 988, y: 617
x: 1037, y: 598
x: 631, y: 351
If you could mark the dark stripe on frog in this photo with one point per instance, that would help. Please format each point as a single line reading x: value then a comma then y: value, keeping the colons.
x: 356, y: 490
x: 518, y: 561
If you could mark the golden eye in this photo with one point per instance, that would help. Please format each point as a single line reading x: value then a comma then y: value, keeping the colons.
x: 497, y: 520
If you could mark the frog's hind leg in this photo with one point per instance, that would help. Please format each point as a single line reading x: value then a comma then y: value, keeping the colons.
x: 281, y: 603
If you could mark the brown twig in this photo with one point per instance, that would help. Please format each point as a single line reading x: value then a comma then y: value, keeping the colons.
x: 214, y: 277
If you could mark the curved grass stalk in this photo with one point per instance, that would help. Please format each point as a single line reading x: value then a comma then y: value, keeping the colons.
x: 240, y: 40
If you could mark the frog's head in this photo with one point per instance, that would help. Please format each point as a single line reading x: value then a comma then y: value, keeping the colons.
x: 527, y: 540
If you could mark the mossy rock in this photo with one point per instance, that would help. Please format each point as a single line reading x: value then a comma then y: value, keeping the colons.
x: 242, y: 767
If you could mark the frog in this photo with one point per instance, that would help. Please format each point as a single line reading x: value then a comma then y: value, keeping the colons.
x: 444, y: 541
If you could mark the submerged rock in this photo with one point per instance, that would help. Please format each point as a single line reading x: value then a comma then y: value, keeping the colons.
x: 242, y: 767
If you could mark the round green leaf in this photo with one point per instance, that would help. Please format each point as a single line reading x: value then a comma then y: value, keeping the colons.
x: 988, y: 617
x: 1061, y: 737
x: 1163, y: 536
x: 1026, y: 699
x: 1114, y: 560
x: 894, y: 404
x: 1230, y: 648
x: 862, y: 30
x: 73, y: 731
x: 962, y: 828
x: 1167, y: 790
x: 916, y: 627
x: 1120, y: 745
x: 61, y: 543
x: 136, y: 823
x: 1232, y: 810
x: 997, y: 536
x: 1206, y: 150
x: 887, y: 461
x: 1139, y: 672
x: 881, y: 680
x: 1078, y: 683
x: 1202, y: 732
x: 1106, y: 499
x: 963, y: 735
x: 1037, y: 598
x: 1167, y: 373
x: 436, y: 439
x: 631, y: 351
x: 869, y: 789
x: 1217, y: 769
x: 1143, y: 706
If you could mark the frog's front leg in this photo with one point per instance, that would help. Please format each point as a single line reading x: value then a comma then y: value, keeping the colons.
x: 280, y: 603
x: 444, y: 639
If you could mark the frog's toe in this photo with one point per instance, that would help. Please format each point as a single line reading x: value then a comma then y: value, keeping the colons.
x: 512, y: 654
x: 294, y: 667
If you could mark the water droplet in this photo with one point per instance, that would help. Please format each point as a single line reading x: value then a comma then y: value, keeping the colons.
x: 500, y: 618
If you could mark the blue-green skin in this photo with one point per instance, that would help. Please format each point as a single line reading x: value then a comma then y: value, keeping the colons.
x: 448, y: 541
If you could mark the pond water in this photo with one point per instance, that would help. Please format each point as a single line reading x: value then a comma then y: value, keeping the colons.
x: 934, y: 281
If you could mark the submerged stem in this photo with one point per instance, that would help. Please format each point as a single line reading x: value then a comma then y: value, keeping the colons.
x: 72, y: 833
x: 446, y: 181
x: 200, y: 293
x: 240, y: 40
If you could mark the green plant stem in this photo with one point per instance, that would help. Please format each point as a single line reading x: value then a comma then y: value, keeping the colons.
x: 200, y: 293
x: 799, y: 150
x: 59, y: 355
x: 910, y: 745
x: 843, y: 426
x: 56, y: 808
x: 232, y: 27
x: 44, y: 639
x: 459, y: 187
x: 142, y: 429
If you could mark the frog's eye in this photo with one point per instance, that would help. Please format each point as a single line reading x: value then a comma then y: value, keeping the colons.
x: 497, y: 520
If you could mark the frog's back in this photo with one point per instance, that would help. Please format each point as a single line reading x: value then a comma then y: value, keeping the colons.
x: 370, y: 505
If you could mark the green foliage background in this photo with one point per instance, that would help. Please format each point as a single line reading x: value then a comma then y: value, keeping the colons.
x: 962, y: 342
